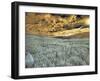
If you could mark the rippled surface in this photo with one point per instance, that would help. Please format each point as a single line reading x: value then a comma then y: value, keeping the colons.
x: 55, y: 52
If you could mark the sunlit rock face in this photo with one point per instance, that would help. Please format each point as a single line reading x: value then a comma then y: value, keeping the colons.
x: 46, y: 24
x: 87, y: 21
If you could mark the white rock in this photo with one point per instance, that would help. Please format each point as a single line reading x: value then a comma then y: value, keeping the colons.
x: 29, y: 61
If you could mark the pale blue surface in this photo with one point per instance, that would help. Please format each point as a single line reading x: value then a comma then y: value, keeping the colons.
x: 52, y: 52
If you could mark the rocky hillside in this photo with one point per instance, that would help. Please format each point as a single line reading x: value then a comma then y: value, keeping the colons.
x: 43, y: 40
x: 57, y: 24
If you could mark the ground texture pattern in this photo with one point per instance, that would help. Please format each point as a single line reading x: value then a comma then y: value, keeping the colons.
x: 56, y: 52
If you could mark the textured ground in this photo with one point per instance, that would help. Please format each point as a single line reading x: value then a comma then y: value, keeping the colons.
x: 53, y: 52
